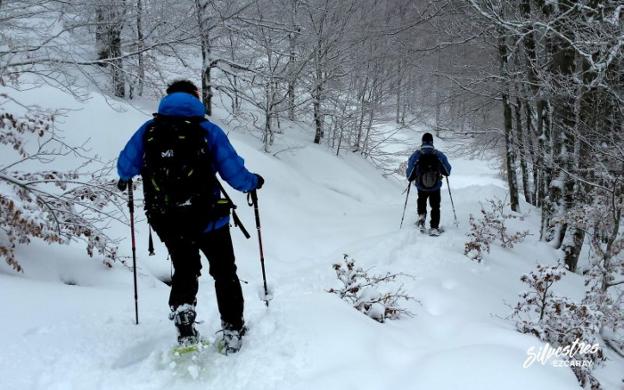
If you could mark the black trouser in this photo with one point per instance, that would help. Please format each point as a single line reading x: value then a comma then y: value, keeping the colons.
x: 434, y: 202
x: 217, y: 246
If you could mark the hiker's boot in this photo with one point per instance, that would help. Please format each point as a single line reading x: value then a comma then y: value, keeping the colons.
x: 184, y: 319
x: 421, y: 223
x: 434, y: 232
x: 232, y: 340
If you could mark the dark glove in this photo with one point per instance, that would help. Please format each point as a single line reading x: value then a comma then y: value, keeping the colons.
x: 122, y: 185
x: 260, y: 181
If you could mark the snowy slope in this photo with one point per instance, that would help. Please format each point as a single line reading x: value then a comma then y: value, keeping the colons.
x: 68, y: 321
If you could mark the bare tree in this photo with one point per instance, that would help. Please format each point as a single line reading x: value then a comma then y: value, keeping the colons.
x: 55, y: 206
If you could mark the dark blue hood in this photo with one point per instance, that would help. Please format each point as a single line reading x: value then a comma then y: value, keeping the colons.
x: 181, y: 104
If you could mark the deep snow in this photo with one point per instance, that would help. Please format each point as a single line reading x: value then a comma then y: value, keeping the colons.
x: 68, y: 320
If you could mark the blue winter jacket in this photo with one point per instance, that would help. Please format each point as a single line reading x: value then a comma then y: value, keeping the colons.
x: 427, y: 148
x: 225, y: 160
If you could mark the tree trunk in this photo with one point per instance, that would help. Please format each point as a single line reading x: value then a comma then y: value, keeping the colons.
x: 235, y: 100
x: 541, y: 106
x: 522, y: 155
x: 140, y: 46
x: 572, y: 249
x: 109, y: 21
x: 340, y: 135
x: 119, y: 77
x: 564, y: 114
x: 101, y: 35
x: 204, y: 37
x: 318, y: 124
x: 530, y: 146
x: 609, y: 252
x: 438, y: 99
x: 317, y: 93
x: 588, y: 116
x: 544, y: 158
x: 115, y: 25
x: 371, y: 115
x: 399, y: 85
x: 510, y: 156
x: 292, y: 64
x: 360, y: 125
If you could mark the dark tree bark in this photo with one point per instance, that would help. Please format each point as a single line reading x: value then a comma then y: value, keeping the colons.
x: 531, y: 147
x: 292, y: 60
x: 316, y: 97
x: 140, y: 47
x: 109, y: 19
x: 101, y: 35
x: 563, y: 67
x: 399, y: 91
x: 207, y: 63
x: 540, y: 131
x: 510, y: 155
x: 522, y: 155
x: 119, y: 78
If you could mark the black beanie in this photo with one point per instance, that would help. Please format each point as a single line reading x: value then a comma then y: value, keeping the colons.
x: 183, y: 86
x: 427, y: 138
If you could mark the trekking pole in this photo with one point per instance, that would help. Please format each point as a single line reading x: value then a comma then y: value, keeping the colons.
x: 254, y: 200
x: 131, y: 207
x: 409, y: 185
x: 452, y: 204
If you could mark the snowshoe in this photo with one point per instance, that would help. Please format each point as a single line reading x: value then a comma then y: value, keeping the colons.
x: 189, y: 360
x: 191, y: 347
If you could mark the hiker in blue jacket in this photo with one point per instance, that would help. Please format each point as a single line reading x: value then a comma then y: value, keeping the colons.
x: 425, y: 168
x: 188, y: 214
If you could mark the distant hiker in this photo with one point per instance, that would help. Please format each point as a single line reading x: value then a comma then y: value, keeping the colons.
x: 425, y: 168
x: 178, y: 154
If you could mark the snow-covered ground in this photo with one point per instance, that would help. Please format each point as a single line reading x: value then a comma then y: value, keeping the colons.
x: 68, y: 321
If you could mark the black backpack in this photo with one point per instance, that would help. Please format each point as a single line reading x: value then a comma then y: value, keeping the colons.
x: 427, y: 171
x: 179, y: 186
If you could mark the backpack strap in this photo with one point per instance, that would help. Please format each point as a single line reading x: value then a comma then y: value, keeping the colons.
x: 237, y: 222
